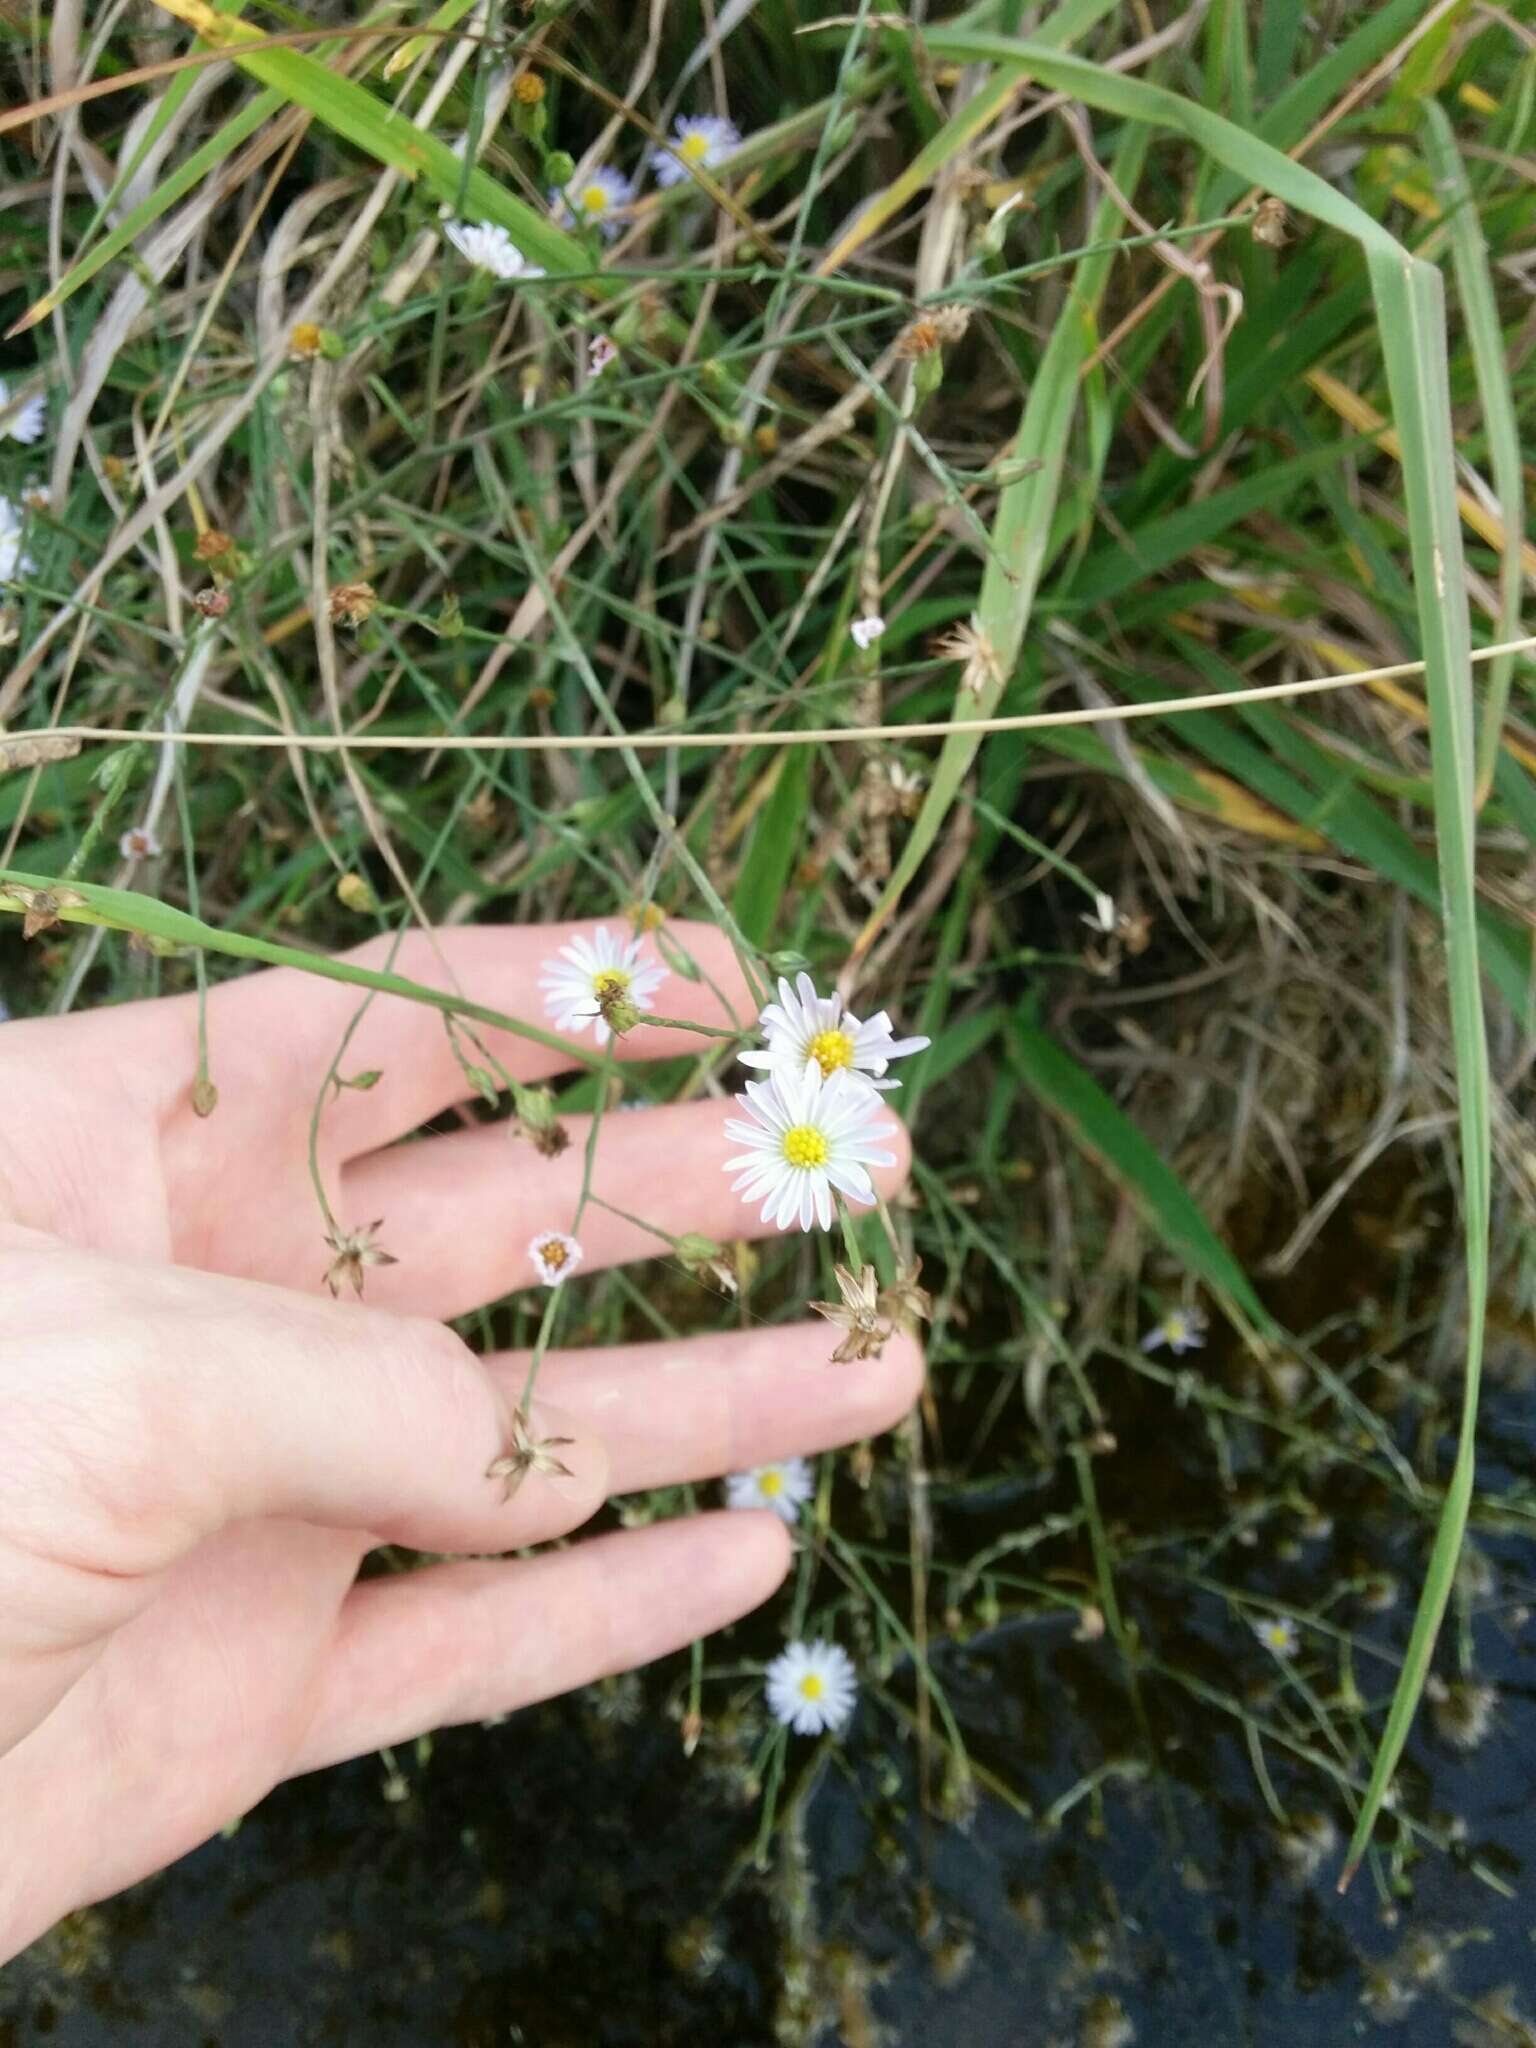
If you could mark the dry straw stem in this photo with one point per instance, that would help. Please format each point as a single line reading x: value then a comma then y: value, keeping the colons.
x: 659, y: 742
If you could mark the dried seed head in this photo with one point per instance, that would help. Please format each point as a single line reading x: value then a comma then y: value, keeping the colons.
x: 765, y: 440
x: 858, y: 1313
x: 356, y: 893
x: 983, y: 669
x: 41, y: 907
x: 904, y: 1302
x: 213, y: 604
x: 525, y: 1454
x: 1270, y: 223
x: 355, y: 1252
x: 212, y: 545
x: 352, y: 603
x: 536, y: 1121
x: 931, y: 330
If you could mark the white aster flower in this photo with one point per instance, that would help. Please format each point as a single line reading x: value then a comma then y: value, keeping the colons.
x: 806, y: 1138
x: 866, y: 631
x: 811, y: 1687
x: 555, y: 1255
x: 783, y: 1488
x: 15, y: 562
x: 1277, y: 1632
x: 593, y: 200
x: 576, y: 980
x: 804, y: 1029
x: 489, y: 247
x: 26, y: 424
x: 699, y: 143
x: 1182, y: 1329
x: 139, y: 843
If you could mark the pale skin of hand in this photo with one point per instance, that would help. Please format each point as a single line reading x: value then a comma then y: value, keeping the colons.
x: 198, y: 1446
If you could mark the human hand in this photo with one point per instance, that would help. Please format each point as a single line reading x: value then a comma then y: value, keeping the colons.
x: 198, y: 1447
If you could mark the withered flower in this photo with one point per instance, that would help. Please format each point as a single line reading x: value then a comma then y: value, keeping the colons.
x: 212, y: 545
x: 931, y: 330
x: 355, y: 1252
x: 904, y: 1301
x: 525, y: 1454
x: 352, y: 603
x: 305, y: 340
x: 1270, y: 223
x: 213, y: 604
x: 41, y: 907
x: 983, y: 669
x: 858, y: 1313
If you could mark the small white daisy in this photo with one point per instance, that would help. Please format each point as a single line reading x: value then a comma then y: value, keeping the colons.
x: 580, y: 975
x: 139, y: 843
x: 1277, y: 1632
x: 812, y: 1687
x: 489, y: 247
x: 699, y: 143
x: 26, y: 424
x: 594, y: 200
x: 15, y: 562
x: 1182, y: 1329
x: 783, y: 1488
x: 555, y: 1256
x: 806, y: 1138
x: 804, y: 1029
x: 601, y: 351
x: 866, y: 631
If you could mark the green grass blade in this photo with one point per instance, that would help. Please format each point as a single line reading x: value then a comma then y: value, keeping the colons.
x: 1490, y: 364
x: 775, y: 845
x: 1102, y: 1129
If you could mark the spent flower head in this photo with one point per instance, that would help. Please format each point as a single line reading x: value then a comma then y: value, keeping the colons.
x: 525, y: 1454
x: 489, y: 247
x: 139, y: 843
x: 807, y: 1139
x: 982, y: 667
x: 355, y: 1252
x: 555, y: 1256
x: 584, y: 982
x: 700, y: 142
x: 906, y: 1302
x: 812, y: 1687
x: 782, y: 1488
x: 857, y: 1314
x: 805, y: 1031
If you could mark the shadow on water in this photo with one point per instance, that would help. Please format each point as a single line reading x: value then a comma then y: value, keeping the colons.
x: 571, y: 1878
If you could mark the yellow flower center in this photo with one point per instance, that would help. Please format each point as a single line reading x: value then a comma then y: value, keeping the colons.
x: 594, y: 199
x: 770, y: 1483
x: 805, y: 1146
x: 553, y: 1253
x: 611, y: 981
x: 812, y: 1686
x: 693, y: 148
x: 831, y: 1050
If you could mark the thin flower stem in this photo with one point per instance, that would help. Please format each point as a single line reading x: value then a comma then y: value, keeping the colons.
x: 685, y: 1024
x: 775, y: 1777
x: 850, y: 1241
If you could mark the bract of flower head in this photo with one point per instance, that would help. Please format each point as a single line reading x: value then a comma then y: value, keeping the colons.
x: 555, y: 1256
x: 585, y: 975
x: 806, y: 1139
x: 1180, y: 1330
x: 812, y: 1687
x: 699, y: 142
x: 489, y: 247
x: 594, y: 200
x: 804, y: 1029
x: 782, y: 1488
x: 27, y: 422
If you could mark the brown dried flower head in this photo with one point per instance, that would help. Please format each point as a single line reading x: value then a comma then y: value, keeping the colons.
x: 213, y: 604
x: 858, y: 1313
x: 351, y: 603
x: 212, y: 545
x: 1270, y: 223
x: 983, y: 669
x: 525, y: 1454
x: 355, y: 1252
x: 904, y: 1301
x: 932, y: 329
x: 41, y: 907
